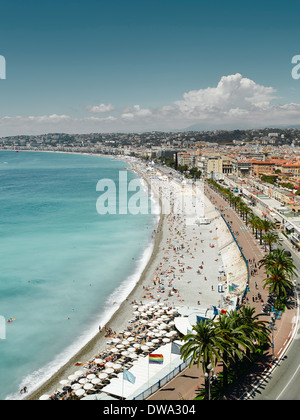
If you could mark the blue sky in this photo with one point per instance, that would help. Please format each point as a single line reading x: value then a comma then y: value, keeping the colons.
x: 97, y: 65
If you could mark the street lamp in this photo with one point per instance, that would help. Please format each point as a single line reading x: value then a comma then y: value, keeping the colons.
x: 272, y: 327
x: 210, y: 369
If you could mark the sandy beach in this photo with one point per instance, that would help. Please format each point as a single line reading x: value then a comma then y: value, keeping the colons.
x: 192, y: 265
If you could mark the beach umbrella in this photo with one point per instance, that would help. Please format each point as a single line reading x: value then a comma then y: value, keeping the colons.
x: 133, y: 356
x: 149, y: 344
x: 98, y: 361
x: 91, y: 376
x: 145, y: 348
x: 125, y: 353
x: 109, y: 370
x: 102, y: 375
x: 64, y: 382
x: 76, y: 386
x: 79, y: 373
x: 88, y: 386
x: 108, y: 364
x: 44, y: 397
x: 155, y: 341
x: 131, y: 349
x: 136, y: 345
x: 116, y: 340
x: 117, y: 366
x: 166, y: 340
x: 80, y: 392
x: 72, y: 377
x: 95, y: 381
x: 127, y: 333
x: 120, y: 346
x: 130, y: 339
x: 83, y: 381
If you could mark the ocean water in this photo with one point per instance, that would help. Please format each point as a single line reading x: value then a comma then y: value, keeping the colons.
x: 64, y: 268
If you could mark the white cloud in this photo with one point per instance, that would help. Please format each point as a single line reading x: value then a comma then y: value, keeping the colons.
x: 135, y: 112
x: 235, y: 102
x: 232, y: 92
x: 99, y: 109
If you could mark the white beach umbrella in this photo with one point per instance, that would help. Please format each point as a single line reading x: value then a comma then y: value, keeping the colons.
x: 120, y: 346
x: 102, y: 375
x: 145, y: 348
x: 133, y: 356
x: 166, y: 340
x: 125, y: 353
x: 80, y: 392
x: 130, y: 339
x: 64, y: 382
x: 98, y: 361
x: 72, y: 377
x: 76, y: 386
x: 108, y: 364
x: 83, y: 381
x: 131, y: 349
x: 95, y: 381
x: 117, y: 366
x: 88, y: 386
x: 91, y: 376
x: 44, y: 397
x: 79, y: 372
x: 109, y: 370
x: 127, y: 333
x: 136, y: 345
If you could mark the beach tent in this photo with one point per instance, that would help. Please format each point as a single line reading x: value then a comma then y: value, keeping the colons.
x: 146, y: 374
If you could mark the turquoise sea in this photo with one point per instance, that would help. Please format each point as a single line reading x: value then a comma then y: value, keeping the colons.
x: 62, y: 265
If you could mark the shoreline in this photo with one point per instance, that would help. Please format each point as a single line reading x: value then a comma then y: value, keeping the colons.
x: 116, y: 322
x: 184, y: 241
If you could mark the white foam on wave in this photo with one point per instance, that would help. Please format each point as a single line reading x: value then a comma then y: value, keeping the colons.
x: 36, y: 379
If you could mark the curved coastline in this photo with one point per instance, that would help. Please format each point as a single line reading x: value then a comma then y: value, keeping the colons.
x: 165, y: 235
x: 118, y: 320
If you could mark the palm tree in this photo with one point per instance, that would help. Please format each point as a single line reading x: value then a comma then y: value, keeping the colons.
x: 279, y: 283
x: 255, y: 223
x: 256, y: 329
x: 267, y: 225
x: 279, y: 258
x: 270, y: 238
x: 234, y: 337
x: 204, y: 346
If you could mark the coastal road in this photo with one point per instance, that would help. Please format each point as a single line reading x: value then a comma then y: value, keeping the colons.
x: 284, y: 380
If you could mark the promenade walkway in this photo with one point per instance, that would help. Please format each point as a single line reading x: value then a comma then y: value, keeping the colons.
x: 187, y: 385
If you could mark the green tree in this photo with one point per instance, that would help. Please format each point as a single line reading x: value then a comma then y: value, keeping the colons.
x: 270, y: 238
x: 204, y: 346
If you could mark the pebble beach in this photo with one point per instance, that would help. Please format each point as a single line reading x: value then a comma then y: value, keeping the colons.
x: 192, y: 265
